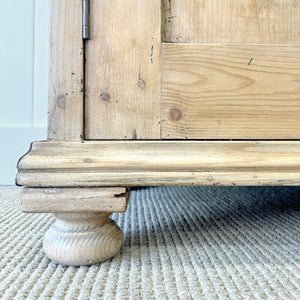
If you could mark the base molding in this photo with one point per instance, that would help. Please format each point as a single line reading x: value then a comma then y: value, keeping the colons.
x: 139, y: 163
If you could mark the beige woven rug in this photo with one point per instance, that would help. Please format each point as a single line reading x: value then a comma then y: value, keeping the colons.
x: 179, y: 243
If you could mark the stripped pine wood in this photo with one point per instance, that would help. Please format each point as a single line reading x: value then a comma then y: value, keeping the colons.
x: 72, y: 200
x: 114, y: 163
x: 123, y: 70
x: 231, y: 21
x: 66, y: 78
x: 230, y: 91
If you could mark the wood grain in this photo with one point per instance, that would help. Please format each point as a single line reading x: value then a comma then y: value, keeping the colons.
x: 121, y: 163
x: 123, y: 70
x: 66, y: 79
x: 231, y: 21
x: 71, y: 200
x: 230, y: 91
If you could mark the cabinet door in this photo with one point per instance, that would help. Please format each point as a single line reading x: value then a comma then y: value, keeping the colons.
x: 231, y: 69
x: 193, y: 69
x: 123, y: 81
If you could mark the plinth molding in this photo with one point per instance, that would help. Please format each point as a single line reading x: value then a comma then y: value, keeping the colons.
x: 139, y: 163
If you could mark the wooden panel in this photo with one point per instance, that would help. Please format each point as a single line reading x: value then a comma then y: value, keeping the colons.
x: 123, y: 70
x: 121, y: 163
x: 74, y: 200
x: 231, y: 21
x: 230, y: 92
x: 66, y: 80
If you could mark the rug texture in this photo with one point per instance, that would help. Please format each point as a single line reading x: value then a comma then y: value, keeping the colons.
x: 179, y: 243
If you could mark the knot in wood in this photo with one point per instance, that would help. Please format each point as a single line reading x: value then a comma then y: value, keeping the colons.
x: 175, y: 114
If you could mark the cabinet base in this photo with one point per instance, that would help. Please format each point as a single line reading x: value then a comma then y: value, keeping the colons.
x: 82, y: 183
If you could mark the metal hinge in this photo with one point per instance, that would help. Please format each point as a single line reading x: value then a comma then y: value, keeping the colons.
x: 85, y: 19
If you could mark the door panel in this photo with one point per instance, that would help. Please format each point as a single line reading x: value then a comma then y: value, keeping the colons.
x: 230, y: 91
x: 231, y: 21
x: 123, y: 84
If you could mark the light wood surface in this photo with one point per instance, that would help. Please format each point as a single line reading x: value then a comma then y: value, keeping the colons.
x: 82, y: 239
x: 123, y: 70
x: 230, y: 91
x: 231, y: 21
x: 66, y: 78
x: 71, y: 200
x: 131, y: 163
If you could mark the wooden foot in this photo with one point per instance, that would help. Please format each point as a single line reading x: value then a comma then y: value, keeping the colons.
x: 82, y: 238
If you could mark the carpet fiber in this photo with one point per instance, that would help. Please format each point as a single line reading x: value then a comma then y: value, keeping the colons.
x: 179, y: 243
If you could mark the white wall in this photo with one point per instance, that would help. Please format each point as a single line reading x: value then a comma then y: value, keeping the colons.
x: 23, y: 80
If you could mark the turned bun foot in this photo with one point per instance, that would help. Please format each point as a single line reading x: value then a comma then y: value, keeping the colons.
x: 82, y: 238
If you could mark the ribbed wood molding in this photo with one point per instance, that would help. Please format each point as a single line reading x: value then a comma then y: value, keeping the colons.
x: 82, y: 238
x: 133, y: 163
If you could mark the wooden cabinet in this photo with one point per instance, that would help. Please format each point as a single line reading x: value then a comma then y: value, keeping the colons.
x: 163, y: 93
